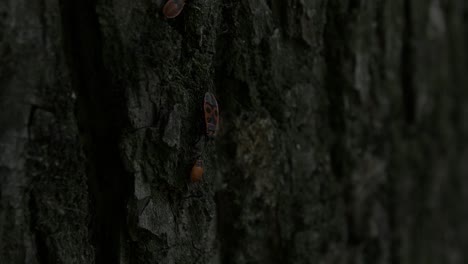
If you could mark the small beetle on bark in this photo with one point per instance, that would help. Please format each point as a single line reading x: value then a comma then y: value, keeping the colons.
x: 197, y: 171
x: 211, y: 110
x: 172, y: 8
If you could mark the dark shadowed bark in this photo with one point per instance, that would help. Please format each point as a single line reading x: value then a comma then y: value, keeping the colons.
x: 343, y: 136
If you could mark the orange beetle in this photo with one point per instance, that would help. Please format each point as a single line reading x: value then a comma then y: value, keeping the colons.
x: 197, y: 171
x: 210, y: 106
x: 172, y: 8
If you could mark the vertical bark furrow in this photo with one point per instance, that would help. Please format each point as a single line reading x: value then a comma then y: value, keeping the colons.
x: 337, y: 42
x: 100, y: 117
x: 407, y: 63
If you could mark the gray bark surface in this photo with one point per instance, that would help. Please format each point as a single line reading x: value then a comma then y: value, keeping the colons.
x: 343, y: 137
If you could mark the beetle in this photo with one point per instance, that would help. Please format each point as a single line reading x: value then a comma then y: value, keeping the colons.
x: 210, y: 106
x: 197, y: 171
x: 172, y: 8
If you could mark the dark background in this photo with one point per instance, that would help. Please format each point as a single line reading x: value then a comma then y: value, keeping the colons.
x: 343, y: 139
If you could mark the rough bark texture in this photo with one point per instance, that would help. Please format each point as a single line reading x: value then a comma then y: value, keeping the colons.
x: 344, y: 134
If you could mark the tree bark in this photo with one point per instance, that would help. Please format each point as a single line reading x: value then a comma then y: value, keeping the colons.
x: 343, y: 136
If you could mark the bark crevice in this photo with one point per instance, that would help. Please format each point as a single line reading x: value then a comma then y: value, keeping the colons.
x: 407, y: 64
x: 100, y: 119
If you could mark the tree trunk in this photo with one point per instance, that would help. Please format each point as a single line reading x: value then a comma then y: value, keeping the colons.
x: 343, y: 135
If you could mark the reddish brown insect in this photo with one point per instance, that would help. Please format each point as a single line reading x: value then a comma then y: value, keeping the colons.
x: 197, y: 171
x: 210, y: 106
x: 172, y: 8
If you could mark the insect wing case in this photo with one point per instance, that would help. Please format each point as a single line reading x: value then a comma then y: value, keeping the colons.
x: 210, y: 107
x: 172, y: 8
